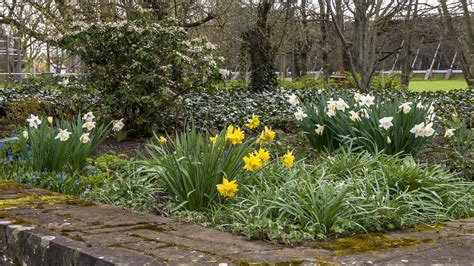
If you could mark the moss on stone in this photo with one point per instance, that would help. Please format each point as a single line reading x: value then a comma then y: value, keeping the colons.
x: 18, y: 220
x: 366, y: 243
x: 9, y: 184
x: 80, y: 202
x: 428, y: 227
x: 4, y: 215
x: 32, y: 200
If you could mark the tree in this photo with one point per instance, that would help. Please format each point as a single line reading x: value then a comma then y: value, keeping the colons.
x: 369, y: 20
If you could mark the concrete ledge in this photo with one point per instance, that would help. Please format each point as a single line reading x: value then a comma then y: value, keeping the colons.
x: 38, y: 227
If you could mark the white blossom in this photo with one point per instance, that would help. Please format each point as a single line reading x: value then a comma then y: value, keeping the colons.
x: 367, y: 100
x: 319, y: 129
x: 354, y: 116
x: 89, y: 125
x: 25, y: 134
x: 293, y: 99
x: 386, y: 122
x: 300, y: 114
x: 63, y: 135
x: 117, y: 125
x: 449, y: 132
x: 406, y: 107
x: 34, y: 121
x: 89, y: 117
x: 84, y: 138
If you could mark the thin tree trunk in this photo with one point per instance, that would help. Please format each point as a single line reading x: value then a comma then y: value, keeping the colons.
x: 407, y: 52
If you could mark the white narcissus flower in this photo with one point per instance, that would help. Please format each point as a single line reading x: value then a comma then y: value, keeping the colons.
x: 293, y: 99
x: 364, y: 113
x: 418, y: 130
x: 431, y: 109
x: 428, y: 130
x: 386, y: 122
x: 419, y: 105
x: 354, y: 116
x: 406, y: 107
x: 357, y: 96
x: 88, y: 117
x: 367, y: 100
x: 319, y: 129
x: 389, y: 140
x: 50, y: 120
x: 341, y: 105
x: 331, y: 112
x: 25, y: 134
x: 300, y: 114
x: 117, y: 125
x: 224, y: 72
x: 63, y: 135
x: 89, y: 125
x: 449, y: 132
x: 34, y: 121
x: 84, y: 138
x: 331, y: 104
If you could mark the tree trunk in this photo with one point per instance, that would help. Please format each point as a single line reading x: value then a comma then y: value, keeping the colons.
x: 407, y: 52
x: 464, y: 59
x: 324, y: 40
x: 257, y: 42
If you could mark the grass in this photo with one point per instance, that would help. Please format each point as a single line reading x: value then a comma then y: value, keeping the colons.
x: 437, y: 83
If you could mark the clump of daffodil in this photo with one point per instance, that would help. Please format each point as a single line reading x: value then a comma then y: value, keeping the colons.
x: 266, y: 135
x: 162, y: 140
x: 214, y: 139
x: 252, y: 162
x: 288, y: 159
x: 253, y: 122
x: 234, y: 135
x: 227, y: 189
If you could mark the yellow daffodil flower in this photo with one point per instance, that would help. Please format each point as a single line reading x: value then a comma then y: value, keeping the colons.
x: 252, y: 162
x: 227, y: 189
x: 234, y: 135
x: 253, y: 122
x: 163, y: 140
x: 263, y: 155
x: 288, y: 159
x: 266, y: 135
x: 214, y: 139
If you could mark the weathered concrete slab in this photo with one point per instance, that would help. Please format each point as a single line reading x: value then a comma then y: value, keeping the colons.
x: 38, y: 227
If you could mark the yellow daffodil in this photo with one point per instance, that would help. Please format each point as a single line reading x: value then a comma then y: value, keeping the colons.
x: 214, y: 139
x: 266, y: 135
x: 163, y: 140
x: 252, y: 162
x: 253, y: 122
x: 263, y: 155
x: 234, y: 135
x: 227, y: 189
x: 288, y: 159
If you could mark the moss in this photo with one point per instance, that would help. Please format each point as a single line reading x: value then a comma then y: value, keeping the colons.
x: 77, y: 238
x: 427, y: 227
x: 4, y: 215
x: 23, y: 221
x: 32, y: 200
x: 95, y: 223
x: 10, y: 184
x: 366, y: 243
x: 80, y: 202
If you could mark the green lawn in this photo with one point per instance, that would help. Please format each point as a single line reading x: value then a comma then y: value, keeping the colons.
x: 437, y: 85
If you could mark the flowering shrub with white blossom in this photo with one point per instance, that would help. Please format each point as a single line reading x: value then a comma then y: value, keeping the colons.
x: 140, y: 65
x: 392, y: 125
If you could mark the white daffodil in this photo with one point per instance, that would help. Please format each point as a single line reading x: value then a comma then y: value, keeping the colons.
x: 419, y: 105
x: 300, y: 114
x: 331, y: 112
x: 406, y: 107
x: 84, y: 138
x: 367, y: 100
x: 428, y: 130
x: 431, y: 109
x: 293, y: 99
x: 33, y: 121
x: 386, y: 122
x: 357, y: 96
x: 389, y: 140
x: 63, y: 135
x: 331, y: 104
x: 418, y: 130
x: 449, y: 132
x: 341, y: 105
x: 319, y: 129
x: 89, y: 125
x: 25, y: 134
x: 354, y: 116
x: 224, y: 73
x: 88, y: 117
x: 364, y: 113
x: 117, y: 125
x: 50, y: 120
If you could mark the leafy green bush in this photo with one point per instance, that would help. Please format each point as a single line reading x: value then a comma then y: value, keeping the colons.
x: 192, y: 165
x: 342, y: 194
x: 392, y: 125
x: 141, y: 65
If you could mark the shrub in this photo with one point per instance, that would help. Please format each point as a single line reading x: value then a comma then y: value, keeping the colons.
x: 192, y: 165
x: 388, y: 125
x: 141, y: 65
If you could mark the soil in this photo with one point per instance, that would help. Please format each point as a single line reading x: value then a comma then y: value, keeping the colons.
x: 129, y: 147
